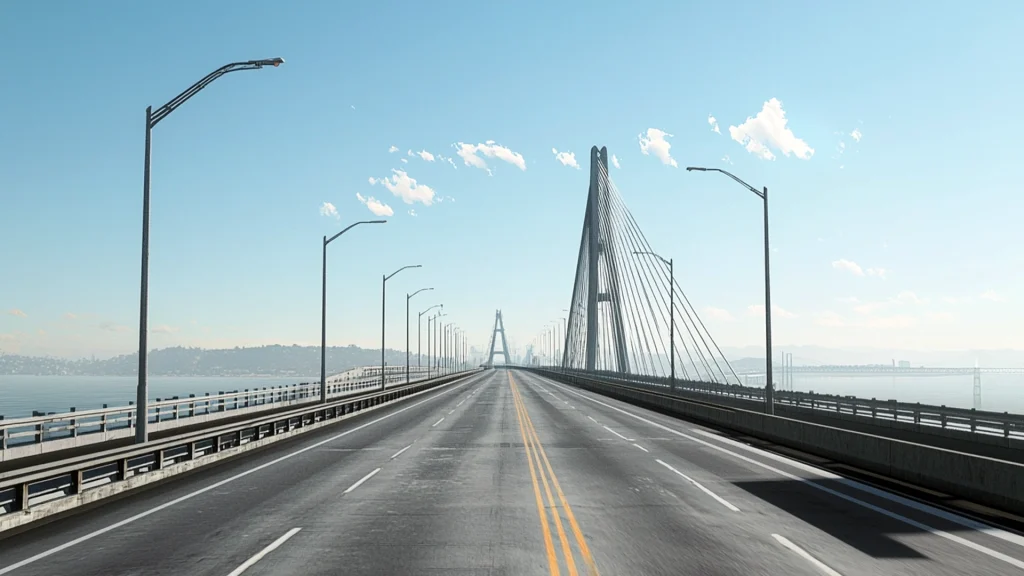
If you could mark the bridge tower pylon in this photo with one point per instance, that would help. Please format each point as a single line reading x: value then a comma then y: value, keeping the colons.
x: 499, y: 328
x: 598, y: 262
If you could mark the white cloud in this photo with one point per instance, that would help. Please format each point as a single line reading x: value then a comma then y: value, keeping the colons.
x: 393, y: 149
x: 566, y: 158
x: 328, y: 209
x: 70, y: 315
x: 410, y: 153
x: 849, y: 299
x: 909, y: 297
x: 768, y: 130
x: 405, y: 160
x: 655, y: 142
x: 164, y: 329
x: 426, y: 155
x: 615, y: 161
x: 991, y: 296
x: 412, y: 213
x: 376, y: 206
x: 852, y: 267
x: 468, y: 153
x: 777, y: 311
x: 372, y: 180
x: 727, y: 160
x: 16, y: 312
x: 856, y: 135
x: 406, y: 188
x: 879, y: 272
x: 720, y: 314
x: 714, y: 124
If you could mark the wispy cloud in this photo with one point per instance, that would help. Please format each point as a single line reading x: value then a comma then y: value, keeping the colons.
x: 615, y: 161
x: 566, y: 158
x: 393, y: 149
x: 768, y: 130
x: 877, y: 272
x: 727, y: 160
x: 111, y: 327
x: 413, y: 213
x: 714, y: 124
x: 402, y: 185
x: 849, y: 266
x: 426, y: 155
x: 777, y: 311
x: 720, y: 314
x: 328, y: 209
x: 70, y: 315
x: 856, y: 135
x: 164, y: 329
x: 469, y: 154
x: 991, y: 296
x: 655, y: 142
x: 375, y: 205
x: 17, y: 312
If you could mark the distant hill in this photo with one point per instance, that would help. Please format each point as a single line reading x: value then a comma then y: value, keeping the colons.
x: 301, y: 361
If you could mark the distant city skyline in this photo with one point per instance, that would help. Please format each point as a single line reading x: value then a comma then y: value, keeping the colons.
x: 894, y: 209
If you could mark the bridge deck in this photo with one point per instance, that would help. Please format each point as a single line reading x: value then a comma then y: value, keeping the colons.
x: 446, y: 484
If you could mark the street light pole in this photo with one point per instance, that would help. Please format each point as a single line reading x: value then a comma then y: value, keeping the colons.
x: 671, y: 315
x: 407, y: 298
x: 323, y: 309
x: 769, y: 388
x: 383, y: 314
x: 152, y: 119
x: 419, y: 333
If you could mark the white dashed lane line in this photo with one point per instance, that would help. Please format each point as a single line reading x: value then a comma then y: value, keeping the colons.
x: 362, y: 480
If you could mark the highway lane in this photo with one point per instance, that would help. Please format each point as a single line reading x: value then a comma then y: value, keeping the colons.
x: 508, y: 473
x: 850, y: 527
x: 242, y: 504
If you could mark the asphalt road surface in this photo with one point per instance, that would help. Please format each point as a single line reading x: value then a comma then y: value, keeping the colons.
x: 510, y: 473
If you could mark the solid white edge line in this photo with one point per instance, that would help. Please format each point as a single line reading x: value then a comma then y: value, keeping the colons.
x: 641, y: 447
x: 592, y: 419
x: 399, y: 453
x: 919, y: 506
x: 215, y: 485
x: 853, y: 500
x: 259, y: 555
x: 700, y: 486
x: 438, y: 422
x: 361, y: 480
x: 806, y: 556
x: 614, y: 432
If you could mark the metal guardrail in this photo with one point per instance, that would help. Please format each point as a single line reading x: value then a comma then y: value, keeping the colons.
x: 21, y: 490
x: 19, y: 433
x: 967, y: 420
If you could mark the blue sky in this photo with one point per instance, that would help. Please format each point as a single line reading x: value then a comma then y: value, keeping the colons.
x: 926, y: 191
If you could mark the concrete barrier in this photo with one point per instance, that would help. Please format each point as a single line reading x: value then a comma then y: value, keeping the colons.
x: 989, y: 481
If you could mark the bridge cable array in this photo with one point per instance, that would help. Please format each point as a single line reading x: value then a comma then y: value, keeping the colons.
x: 633, y: 301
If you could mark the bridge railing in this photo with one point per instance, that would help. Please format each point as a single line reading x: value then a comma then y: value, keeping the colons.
x: 20, y: 437
x: 965, y: 420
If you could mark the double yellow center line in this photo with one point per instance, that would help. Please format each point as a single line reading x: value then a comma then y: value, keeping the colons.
x: 541, y: 467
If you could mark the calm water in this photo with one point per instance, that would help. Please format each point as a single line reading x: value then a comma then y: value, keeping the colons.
x: 20, y: 395
x: 999, y: 392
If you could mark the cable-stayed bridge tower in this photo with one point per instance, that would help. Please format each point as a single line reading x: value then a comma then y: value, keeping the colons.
x: 499, y: 328
x: 628, y: 314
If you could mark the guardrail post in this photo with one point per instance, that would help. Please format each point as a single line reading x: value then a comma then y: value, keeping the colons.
x: 122, y: 468
x: 157, y: 410
x: 39, y: 432
x: 174, y: 412
x: 917, y: 413
x: 73, y: 424
x: 1006, y: 425
x: 191, y: 405
x: 21, y: 497
x: 220, y: 401
x: 974, y: 421
x: 942, y: 417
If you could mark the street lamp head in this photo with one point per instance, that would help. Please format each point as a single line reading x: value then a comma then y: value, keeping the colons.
x: 275, y: 62
x: 697, y: 168
x: 376, y: 221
